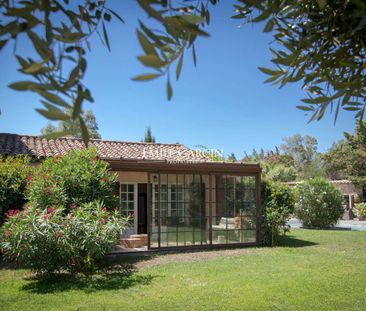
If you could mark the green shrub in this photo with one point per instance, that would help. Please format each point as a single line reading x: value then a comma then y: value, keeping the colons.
x: 13, y: 179
x: 277, y: 205
x: 77, y: 177
x: 283, y: 173
x: 319, y: 204
x: 49, y: 241
x: 360, y: 210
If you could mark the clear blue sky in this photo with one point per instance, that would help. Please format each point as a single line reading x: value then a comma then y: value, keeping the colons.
x: 223, y: 103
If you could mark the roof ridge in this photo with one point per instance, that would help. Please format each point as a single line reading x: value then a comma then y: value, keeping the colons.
x: 95, y: 139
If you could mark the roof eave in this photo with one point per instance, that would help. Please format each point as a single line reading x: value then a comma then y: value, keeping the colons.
x: 183, y: 166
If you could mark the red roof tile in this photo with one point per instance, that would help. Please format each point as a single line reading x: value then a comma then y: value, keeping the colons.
x: 38, y: 147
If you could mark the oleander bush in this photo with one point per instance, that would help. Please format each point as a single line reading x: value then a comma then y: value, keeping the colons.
x: 50, y: 241
x: 360, y: 210
x: 277, y: 206
x: 71, y: 220
x: 13, y: 179
x: 77, y: 177
x: 319, y: 204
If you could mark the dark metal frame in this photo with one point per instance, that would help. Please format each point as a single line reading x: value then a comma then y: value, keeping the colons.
x: 206, y: 168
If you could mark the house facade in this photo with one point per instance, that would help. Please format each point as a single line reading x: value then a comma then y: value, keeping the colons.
x: 176, y: 197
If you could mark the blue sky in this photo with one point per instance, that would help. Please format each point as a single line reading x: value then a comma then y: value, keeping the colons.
x: 222, y: 103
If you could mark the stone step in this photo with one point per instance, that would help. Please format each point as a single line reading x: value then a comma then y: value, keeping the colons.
x: 131, y: 242
x: 142, y: 237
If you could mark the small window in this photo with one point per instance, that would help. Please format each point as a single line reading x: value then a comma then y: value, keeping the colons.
x: 127, y: 197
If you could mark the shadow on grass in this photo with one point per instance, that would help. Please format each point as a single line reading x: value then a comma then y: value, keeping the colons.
x: 290, y: 241
x: 114, y: 277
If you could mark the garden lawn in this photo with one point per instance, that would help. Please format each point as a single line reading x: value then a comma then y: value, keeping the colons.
x: 313, y: 269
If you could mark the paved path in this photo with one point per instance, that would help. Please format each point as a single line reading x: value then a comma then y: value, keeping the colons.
x: 343, y: 224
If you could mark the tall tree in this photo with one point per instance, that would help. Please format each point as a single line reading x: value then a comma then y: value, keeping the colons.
x: 335, y: 160
x: 71, y: 127
x: 303, y: 151
x: 347, y: 158
x: 356, y: 160
x: 149, y: 138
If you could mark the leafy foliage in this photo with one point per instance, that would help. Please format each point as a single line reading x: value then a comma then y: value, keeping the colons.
x: 303, y: 151
x: 231, y: 158
x: 282, y: 173
x: 322, y: 44
x: 347, y: 158
x: 49, y: 241
x: 71, y: 127
x: 360, y: 210
x: 181, y: 24
x: 277, y: 205
x: 14, y: 172
x: 335, y: 165
x: 75, y: 178
x: 319, y: 203
x: 60, y: 34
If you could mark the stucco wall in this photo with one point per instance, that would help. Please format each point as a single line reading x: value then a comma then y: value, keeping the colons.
x: 139, y: 177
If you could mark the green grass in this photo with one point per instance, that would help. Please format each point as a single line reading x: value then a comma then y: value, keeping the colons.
x: 313, y: 270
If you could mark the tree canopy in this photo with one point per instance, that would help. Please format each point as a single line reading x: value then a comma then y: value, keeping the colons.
x: 347, y: 158
x: 320, y: 43
x: 72, y: 128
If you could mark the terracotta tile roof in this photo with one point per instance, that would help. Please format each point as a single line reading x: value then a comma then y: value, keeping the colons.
x: 38, y: 147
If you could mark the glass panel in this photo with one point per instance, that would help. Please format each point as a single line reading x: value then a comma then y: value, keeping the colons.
x: 154, y: 240
x: 130, y: 188
x: 185, y: 209
x: 234, y: 210
x: 123, y: 206
x: 163, y: 239
x: 124, y: 188
x: 130, y: 196
x: 123, y: 196
x: 219, y: 237
x: 188, y: 181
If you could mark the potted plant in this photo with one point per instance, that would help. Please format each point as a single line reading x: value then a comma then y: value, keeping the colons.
x: 360, y: 210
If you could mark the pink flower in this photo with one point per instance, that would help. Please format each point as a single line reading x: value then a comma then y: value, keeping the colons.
x: 46, y: 216
x: 73, y: 205
x: 11, y: 212
x: 104, y: 209
x: 50, y: 210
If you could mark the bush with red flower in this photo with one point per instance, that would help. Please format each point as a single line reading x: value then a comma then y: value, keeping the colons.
x: 50, y: 241
x: 71, y: 221
x: 76, y: 177
x: 14, y: 172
